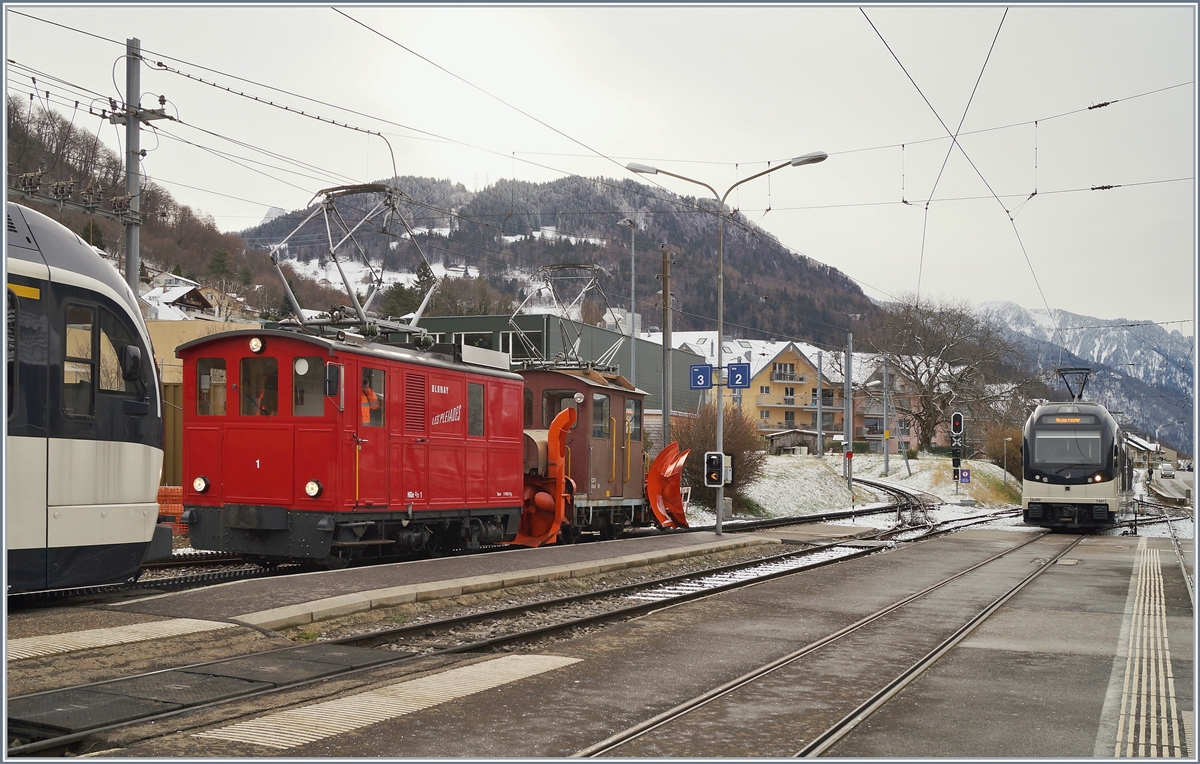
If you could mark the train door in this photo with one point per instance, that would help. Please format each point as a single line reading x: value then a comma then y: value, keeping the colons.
x: 635, y: 470
x: 605, y: 478
x: 370, y: 441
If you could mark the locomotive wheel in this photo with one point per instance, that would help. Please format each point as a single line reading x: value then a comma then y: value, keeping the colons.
x: 436, y: 547
x: 568, y: 534
x: 610, y: 531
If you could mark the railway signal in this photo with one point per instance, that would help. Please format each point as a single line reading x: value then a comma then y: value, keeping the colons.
x: 956, y: 423
x: 714, y: 469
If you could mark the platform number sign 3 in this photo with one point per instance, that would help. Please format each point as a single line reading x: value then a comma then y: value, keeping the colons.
x: 700, y: 377
x: 739, y: 375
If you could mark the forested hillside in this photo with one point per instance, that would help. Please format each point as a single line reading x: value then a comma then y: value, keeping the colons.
x: 174, y: 237
x: 511, y: 228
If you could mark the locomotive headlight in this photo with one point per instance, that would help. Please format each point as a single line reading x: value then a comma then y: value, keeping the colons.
x: 256, y: 345
x: 313, y: 488
x: 1098, y: 478
x: 200, y: 484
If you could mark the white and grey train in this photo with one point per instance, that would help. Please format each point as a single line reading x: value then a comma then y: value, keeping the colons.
x: 85, y: 437
x: 1076, y: 469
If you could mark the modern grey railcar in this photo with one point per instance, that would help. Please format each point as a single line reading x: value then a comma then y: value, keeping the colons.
x: 84, y: 442
x: 1075, y: 468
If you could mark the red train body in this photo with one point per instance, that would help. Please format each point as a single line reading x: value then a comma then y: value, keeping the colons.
x: 303, y: 447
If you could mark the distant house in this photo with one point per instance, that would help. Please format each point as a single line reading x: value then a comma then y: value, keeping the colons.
x: 229, y: 307
x: 179, y: 303
x: 166, y: 280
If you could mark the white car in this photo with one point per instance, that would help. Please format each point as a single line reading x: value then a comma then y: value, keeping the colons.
x: 1166, y: 470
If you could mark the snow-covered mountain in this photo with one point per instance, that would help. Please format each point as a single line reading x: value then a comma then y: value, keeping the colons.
x: 1143, y: 370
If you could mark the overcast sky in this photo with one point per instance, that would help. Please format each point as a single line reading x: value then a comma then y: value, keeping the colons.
x: 715, y: 93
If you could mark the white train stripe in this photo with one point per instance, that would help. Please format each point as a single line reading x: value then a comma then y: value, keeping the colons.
x: 54, y: 644
x: 298, y: 726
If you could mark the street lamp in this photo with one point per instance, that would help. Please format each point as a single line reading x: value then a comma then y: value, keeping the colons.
x: 632, y: 287
x: 813, y: 158
x: 1006, y: 442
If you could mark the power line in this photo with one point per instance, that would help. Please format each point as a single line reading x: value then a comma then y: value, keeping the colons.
x: 967, y: 157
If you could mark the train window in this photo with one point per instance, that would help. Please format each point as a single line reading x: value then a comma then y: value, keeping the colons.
x: 308, y: 377
x: 260, y: 386
x: 371, y: 397
x: 210, y: 386
x: 528, y: 409
x: 79, y: 365
x: 474, y: 408
x: 633, y: 415
x: 10, y: 305
x: 600, y: 415
x: 113, y: 337
x: 1067, y: 446
x: 554, y: 401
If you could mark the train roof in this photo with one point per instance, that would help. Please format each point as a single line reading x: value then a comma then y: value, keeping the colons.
x: 35, y: 238
x: 371, y: 349
x: 593, y: 378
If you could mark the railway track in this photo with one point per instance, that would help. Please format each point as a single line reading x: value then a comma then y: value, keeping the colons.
x: 668, y: 733
x: 502, y: 628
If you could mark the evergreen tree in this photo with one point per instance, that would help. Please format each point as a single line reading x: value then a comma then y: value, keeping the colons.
x: 219, y: 266
x: 92, y: 233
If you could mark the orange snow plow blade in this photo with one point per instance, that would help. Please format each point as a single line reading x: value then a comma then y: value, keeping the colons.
x: 662, y: 487
x: 547, y: 496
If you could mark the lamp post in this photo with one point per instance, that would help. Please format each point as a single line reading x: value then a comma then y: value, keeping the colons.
x: 632, y: 287
x: 1006, y: 442
x: 813, y: 158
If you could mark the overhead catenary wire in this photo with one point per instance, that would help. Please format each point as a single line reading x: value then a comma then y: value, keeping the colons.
x: 754, y: 233
x: 966, y: 156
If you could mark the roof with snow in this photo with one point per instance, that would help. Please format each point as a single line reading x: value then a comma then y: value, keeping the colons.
x: 1141, y: 444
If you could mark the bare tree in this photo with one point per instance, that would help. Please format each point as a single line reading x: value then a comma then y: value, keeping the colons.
x: 741, y: 439
x: 954, y: 361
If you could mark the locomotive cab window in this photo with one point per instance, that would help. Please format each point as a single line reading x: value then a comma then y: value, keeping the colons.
x: 79, y: 363
x: 633, y: 415
x: 371, y: 399
x: 210, y: 386
x: 260, y: 386
x: 114, y: 338
x: 527, y: 421
x: 1067, y: 446
x: 474, y: 408
x: 554, y: 401
x: 600, y: 415
x: 308, y: 377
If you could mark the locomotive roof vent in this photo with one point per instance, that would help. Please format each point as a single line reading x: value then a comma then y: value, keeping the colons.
x: 350, y: 338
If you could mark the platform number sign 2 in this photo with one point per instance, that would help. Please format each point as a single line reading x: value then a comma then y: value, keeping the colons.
x: 739, y: 375
x: 701, y: 376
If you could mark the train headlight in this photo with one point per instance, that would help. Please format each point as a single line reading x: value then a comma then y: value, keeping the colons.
x: 200, y: 484
x: 1098, y: 478
x: 313, y: 488
x: 256, y: 345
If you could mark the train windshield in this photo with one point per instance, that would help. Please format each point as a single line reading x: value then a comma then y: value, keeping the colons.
x: 1069, y: 445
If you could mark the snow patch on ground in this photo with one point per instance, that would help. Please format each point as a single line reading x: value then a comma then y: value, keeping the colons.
x: 800, y: 485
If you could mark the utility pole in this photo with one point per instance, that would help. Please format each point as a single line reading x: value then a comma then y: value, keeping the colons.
x: 848, y: 417
x: 632, y: 299
x: 666, y: 393
x: 820, y: 412
x: 887, y: 431
x: 133, y: 118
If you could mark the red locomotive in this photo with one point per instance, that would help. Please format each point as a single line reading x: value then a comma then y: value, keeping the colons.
x: 328, y: 450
